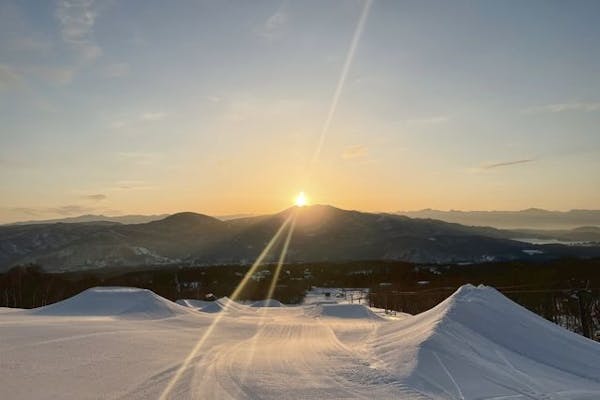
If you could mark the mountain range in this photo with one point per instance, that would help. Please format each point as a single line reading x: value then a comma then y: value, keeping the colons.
x: 121, y: 219
x: 531, y: 218
x: 321, y: 233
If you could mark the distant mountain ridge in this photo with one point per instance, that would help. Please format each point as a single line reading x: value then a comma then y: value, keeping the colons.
x: 91, y: 218
x: 532, y: 218
x: 322, y: 233
x: 121, y: 219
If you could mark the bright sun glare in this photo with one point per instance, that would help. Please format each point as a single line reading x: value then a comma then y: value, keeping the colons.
x: 301, y: 200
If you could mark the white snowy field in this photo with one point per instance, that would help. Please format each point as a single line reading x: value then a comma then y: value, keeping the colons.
x: 132, y: 344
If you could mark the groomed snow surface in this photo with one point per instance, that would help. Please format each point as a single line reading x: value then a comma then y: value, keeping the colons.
x: 125, y: 343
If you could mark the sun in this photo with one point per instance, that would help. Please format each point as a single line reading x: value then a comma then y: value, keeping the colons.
x: 301, y: 200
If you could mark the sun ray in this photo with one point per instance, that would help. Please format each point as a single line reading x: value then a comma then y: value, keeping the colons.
x: 184, y: 366
x: 325, y: 128
x: 341, y: 81
x: 284, y: 250
x: 264, y: 310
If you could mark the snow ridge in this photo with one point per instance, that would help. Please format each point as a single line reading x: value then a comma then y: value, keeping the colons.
x: 122, y: 302
x: 478, y: 342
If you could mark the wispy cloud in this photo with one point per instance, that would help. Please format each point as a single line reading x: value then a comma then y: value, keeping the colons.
x: 353, y: 152
x: 13, y: 77
x: 27, y: 43
x: 563, y: 107
x: 434, y: 120
x: 95, y: 197
x: 9, y: 78
x: 140, y: 158
x: 118, y: 124
x: 507, y: 163
x: 214, y: 99
x: 116, y: 70
x: 125, y: 121
x: 133, y: 185
x: 153, y: 116
x: 53, y: 75
x: 273, y: 27
x: 77, y: 19
x: 247, y: 108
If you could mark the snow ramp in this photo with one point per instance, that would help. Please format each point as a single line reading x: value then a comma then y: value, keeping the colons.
x: 192, y: 303
x: 268, y: 303
x: 478, y: 344
x: 123, y: 302
x: 222, y: 304
x: 342, y: 311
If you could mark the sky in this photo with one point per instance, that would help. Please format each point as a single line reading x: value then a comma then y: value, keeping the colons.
x: 227, y: 107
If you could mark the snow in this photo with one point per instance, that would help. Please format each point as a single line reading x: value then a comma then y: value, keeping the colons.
x: 192, y: 303
x: 120, y: 302
x: 347, y: 311
x: 479, y: 344
x: 222, y: 304
x: 131, y: 343
x: 532, y: 252
x: 268, y: 303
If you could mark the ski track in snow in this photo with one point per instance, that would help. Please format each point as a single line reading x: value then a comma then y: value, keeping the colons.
x: 315, y: 351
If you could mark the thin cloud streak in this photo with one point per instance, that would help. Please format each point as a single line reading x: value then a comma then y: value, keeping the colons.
x: 95, y: 197
x: 563, y: 107
x: 507, y: 163
x: 153, y: 116
x: 352, y: 152
x: 132, y: 185
x: 440, y: 119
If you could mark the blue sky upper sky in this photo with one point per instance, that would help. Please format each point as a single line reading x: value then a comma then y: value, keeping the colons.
x: 217, y: 107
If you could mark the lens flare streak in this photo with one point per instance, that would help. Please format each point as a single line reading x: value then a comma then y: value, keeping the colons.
x: 325, y: 128
x: 284, y: 251
x: 342, y: 79
x: 184, y: 366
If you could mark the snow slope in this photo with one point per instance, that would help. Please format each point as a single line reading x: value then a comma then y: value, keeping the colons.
x: 192, y: 303
x: 268, y: 303
x: 346, y: 311
x: 479, y: 344
x: 475, y: 345
x: 222, y: 304
x: 116, y: 302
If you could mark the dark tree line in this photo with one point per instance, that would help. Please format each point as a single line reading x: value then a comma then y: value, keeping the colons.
x: 566, y: 292
x: 563, y: 291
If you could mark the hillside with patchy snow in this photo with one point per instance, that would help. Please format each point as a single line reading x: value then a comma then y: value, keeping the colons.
x: 322, y: 233
x: 132, y: 344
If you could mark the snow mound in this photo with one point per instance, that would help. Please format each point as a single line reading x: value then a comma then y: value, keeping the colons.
x: 213, y: 307
x: 192, y: 303
x: 346, y: 311
x: 268, y: 303
x: 478, y: 343
x: 121, y: 302
x: 222, y: 304
x: 233, y: 305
